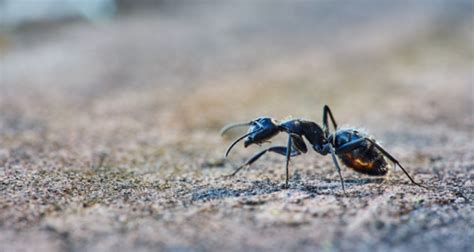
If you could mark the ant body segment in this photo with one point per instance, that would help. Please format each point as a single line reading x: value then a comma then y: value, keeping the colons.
x: 355, y: 149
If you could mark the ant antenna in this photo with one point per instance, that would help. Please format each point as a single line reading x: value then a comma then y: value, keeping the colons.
x: 238, y: 140
x: 234, y: 125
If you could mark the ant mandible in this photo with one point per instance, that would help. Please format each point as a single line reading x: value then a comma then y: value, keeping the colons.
x: 355, y: 149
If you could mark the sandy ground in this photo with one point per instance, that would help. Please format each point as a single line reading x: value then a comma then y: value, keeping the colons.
x: 109, y: 132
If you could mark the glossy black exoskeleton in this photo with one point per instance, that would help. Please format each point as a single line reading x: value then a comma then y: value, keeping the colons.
x: 355, y: 149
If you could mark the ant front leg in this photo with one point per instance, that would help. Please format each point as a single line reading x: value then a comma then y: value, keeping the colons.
x: 276, y: 149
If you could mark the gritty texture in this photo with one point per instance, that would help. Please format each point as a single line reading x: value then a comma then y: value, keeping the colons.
x: 109, y: 132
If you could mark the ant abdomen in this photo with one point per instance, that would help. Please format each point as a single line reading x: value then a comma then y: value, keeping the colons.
x: 366, y: 158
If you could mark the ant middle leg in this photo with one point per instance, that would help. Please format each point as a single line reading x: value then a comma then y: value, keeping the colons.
x: 336, y: 163
x: 345, y: 148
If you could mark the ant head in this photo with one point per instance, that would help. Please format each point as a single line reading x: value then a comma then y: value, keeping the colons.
x: 260, y: 130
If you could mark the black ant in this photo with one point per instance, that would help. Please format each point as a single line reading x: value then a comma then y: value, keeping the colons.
x: 355, y: 149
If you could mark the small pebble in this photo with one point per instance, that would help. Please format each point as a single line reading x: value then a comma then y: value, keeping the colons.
x: 468, y: 184
x: 459, y: 200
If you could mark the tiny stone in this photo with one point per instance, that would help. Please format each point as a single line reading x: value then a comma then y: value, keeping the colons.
x: 468, y: 183
x: 379, y: 224
x: 459, y: 200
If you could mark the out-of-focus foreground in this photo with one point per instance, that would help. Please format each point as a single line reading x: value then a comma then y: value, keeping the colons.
x: 109, y: 128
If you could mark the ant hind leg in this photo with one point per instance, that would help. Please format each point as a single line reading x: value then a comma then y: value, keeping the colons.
x: 395, y: 161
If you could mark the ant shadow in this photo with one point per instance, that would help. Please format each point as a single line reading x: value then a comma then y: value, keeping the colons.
x: 333, y: 187
x: 257, y: 187
x: 267, y: 186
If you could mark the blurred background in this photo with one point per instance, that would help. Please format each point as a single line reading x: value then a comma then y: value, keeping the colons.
x: 143, y: 87
x: 95, y: 69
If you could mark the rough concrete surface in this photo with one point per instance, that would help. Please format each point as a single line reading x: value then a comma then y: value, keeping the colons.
x: 109, y: 131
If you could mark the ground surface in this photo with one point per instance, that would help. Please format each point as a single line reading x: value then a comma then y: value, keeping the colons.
x: 109, y: 132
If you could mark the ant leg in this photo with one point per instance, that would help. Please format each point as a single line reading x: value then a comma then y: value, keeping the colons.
x: 326, y: 112
x: 288, y: 155
x: 333, y: 154
x: 298, y: 143
x: 350, y: 146
x: 394, y: 161
x: 276, y: 149
x: 235, y: 171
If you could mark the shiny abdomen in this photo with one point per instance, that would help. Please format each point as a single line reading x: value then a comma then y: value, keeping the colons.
x: 365, y: 159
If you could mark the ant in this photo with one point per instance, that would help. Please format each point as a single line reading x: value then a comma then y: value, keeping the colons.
x: 355, y: 149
